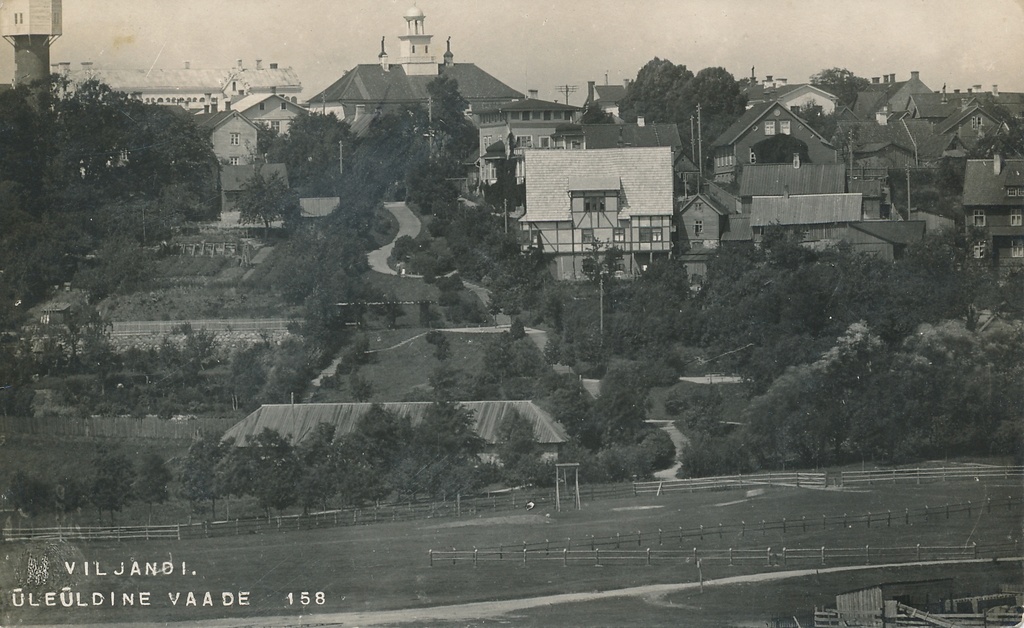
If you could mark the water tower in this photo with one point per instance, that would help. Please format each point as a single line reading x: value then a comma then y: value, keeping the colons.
x: 31, y: 26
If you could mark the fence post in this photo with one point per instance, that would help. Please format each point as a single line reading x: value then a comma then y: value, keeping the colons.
x: 730, y: 556
x: 547, y: 547
x: 947, y: 505
x: 783, y: 556
x: 988, y: 504
x: 501, y: 551
x: 597, y: 556
x: 869, y: 518
x: 616, y: 540
x: 918, y: 551
x: 822, y: 554
x: 695, y: 556
x: 803, y: 521
x: 475, y: 552
x: 768, y: 554
x: 634, y: 489
x: 918, y: 476
x: 906, y: 516
x: 649, y: 554
x: 179, y: 531
x: 659, y: 536
x: 743, y: 528
x: 968, y: 508
x: 430, y: 554
x: 702, y: 532
x: 975, y: 546
x: 783, y: 525
x: 592, y: 542
x: 565, y: 557
x: 824, y: 523
x: 867, y: 554
x: 846, y: 523
x: 888, y: 518
x: 926, y: 513
x: 568, y: 542
x: 762, y: 528
x: 719, y: 529
x: 524, y: 555
x: 639, y: 538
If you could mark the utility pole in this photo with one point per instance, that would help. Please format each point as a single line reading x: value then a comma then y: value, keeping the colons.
x: 700, y: 151
x: 341, y: 158
x: 908, y: 192
x: 566, y: 89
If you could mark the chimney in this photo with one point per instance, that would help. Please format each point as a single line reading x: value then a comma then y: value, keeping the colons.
x: 188, y: 65
x: 892, y: 78
x: 87, y: 65
x: 874, y: 79
x: 977, y: 88
x: 532, y: 93
x: 640, y: 121
x: 956, y: 91
x: 915, y: 75
x: 782, y: 81
x: 590, y: 91
x: 273, y: 66
x: 970, y: 90
x: 213, y: 105
x: 995, y: 91
x: 383, y: 57
x: 449, y: 58
x: 796, y: 160
x: 240, y: 67
x: 360, y: 111
x: 785, y: 191
x: 882, y: 116
x: 259, y: 64
x: 626, y: 82
x: 997, y: 164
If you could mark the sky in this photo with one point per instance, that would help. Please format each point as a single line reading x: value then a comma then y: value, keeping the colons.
x: 543, y: 44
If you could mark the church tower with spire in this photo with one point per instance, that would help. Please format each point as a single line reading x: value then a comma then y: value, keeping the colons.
x: 416, y: 58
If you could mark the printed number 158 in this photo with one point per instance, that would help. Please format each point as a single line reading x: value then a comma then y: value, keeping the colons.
x: 306, y: 598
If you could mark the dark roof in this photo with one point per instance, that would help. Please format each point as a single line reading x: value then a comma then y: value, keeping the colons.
x: 777, y: 179
x: 739, y: 229
x: 232, y: 178
x: 752, y: 116
x: 528, y: 104
x: 911, y: 135
x: 895, y: 232
x: 622, y: 135
x: 982, y: 186
x: 213, y: 120
x: 609, y: 93
x: 870, y: 188
x: 369, y: 83
x: 299, y: 420
x: 937, y: 106
x: 953, y: 121
x: 874, y: 97
x: 708, y: 200
x: 723, y: 197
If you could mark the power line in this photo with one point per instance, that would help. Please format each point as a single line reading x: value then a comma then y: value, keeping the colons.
x: 566, y: 89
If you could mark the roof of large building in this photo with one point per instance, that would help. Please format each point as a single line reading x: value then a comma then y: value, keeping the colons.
x: 808, y: 209
x: 982, y: 186
x: 369, y: 83
x: 190, y: 79
x: 298, y: 421
x: 779, y: 179
x: 645, y: 179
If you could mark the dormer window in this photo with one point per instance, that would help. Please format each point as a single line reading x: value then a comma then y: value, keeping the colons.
x: 1015, y: 191
x: 977, y: 122
x: 593, y: 203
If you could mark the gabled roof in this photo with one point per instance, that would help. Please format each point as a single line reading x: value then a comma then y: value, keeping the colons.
x: 233, y: 178
x: 623, y: 135
x: 955, y: 120
x: 609, y: 94
x: 266, y: 78
x: 778, y: 179
x: 252, y: 100
x: 298, y: 421
x: 893, y: 231
x: 754, y: 115
x: 936, y: 106
x: 982, y: 186
x: 645, y: 174
x: 758, y: 92
x: 214, y: 120
x: 911, y: 135
x: 809, y: 209
x: 368, y: 83
x: 707, y: 200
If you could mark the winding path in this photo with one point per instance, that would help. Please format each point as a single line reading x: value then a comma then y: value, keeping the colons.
x: 408, y: 225
x: 490, y: 610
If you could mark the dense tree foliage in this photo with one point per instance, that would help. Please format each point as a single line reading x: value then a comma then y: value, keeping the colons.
x: 841, y: 83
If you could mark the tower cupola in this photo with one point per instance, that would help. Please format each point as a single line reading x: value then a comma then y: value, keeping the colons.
x: 416, y: 58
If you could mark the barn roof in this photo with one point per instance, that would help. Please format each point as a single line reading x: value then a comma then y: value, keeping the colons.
x: 809, y: 209
x: 776, y: 179
x: 299, y: 420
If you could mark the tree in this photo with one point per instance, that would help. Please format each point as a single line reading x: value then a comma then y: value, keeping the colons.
x: 265, y: 199
x: 113, y: 476
x: 317, y: 456
x: 275, y: 471
x: 594, y: 114
x: 518, y: 450
x: 199, y: 473
x: 312, y: 149
x: 450, y: 130
x: 658, y: 86
x: 841, y: 83
x: 151, y: 483
x: 30, y: 495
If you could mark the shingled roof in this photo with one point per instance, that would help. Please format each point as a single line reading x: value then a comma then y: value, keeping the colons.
x: 298, y: 421
x: 982, y: 186
x: 368, y: 83
x: 810, y: 209
x: 645, y: 175
x: 622, y: 135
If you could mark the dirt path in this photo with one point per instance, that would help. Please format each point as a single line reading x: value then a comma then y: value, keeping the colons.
x: 491, y: 610
x: 678, y: 440
x: 408, y: 225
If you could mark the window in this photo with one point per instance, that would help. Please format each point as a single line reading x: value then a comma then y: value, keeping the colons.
x: 1017, y: 248
x: 618, y: 235
x: 486, y: 142
x: 979, y: 218
x: 414, y: 48
x: 1015, y: 191
x: 698, y: 227
x: 236, y: 139
x: 593, y: 203
x: 284, y: 106
x: 976, y: 122
x: 263, y: 106
x: 275, y: 126
x: 795, y: 109
x: 656, y: 235
x: 545, y: 141
x: 575, y: 145
x: 1016, y: 219
x: 979, y: 250
x: 234, y: 161
x: 524, y: 141
x: 650, y: 234
x: 753, y: 156
x: 769, y: 127
x: 587, y: 236
x: 426, y: 50
x: 547, y: 115
x: 784, y: 127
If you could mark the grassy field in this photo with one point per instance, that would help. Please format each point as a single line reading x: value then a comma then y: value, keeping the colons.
x: 407, y: 367
x: 385, y: 566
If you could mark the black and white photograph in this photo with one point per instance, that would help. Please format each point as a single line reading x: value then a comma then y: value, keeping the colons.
x: 467, y: 313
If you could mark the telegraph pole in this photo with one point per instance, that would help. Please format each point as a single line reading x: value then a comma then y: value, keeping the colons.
x: 341, y: 158
x: 700, y: 151
x: 566, y: 89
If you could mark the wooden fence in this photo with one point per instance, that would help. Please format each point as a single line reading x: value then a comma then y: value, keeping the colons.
x: 721, y: 483
x: 934, y: 474
x: 113, y: 427
x: 908, y: 617
x: 78, y: 533
x: 768, y: 556
x: 133, y: 328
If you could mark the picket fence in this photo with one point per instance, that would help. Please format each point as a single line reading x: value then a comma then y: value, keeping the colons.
x: 933, y: 474
x: 721, y: 483
x: 97, y: 533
